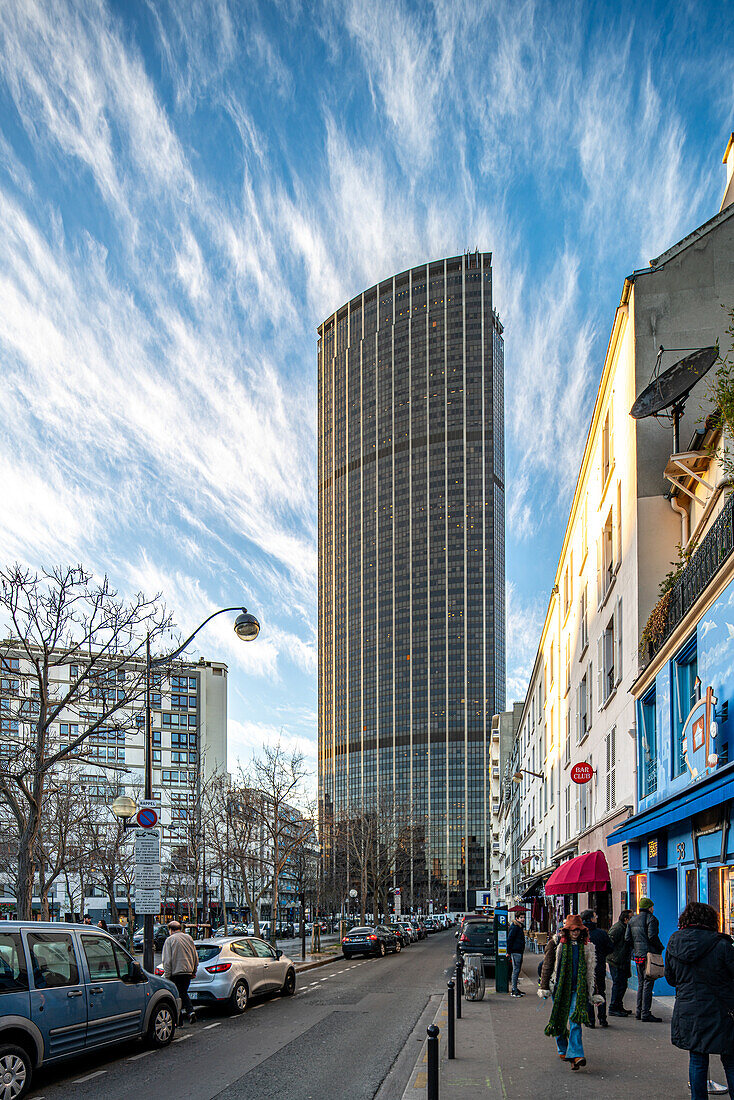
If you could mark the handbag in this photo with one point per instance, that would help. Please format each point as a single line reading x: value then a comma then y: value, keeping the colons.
x: 654, y: 967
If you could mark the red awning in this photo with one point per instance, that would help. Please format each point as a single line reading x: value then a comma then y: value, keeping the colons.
x: 580, y: 875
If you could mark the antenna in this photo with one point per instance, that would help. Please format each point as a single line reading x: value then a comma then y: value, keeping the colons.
x: 670, y: 389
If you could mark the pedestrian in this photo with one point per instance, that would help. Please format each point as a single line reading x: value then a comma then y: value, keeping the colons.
x: 180, y: 963
x: 643, y: 935
x: 102, y: 923
x: 516, y: 950
x: 619, y: 962
x: 568, y: 973
x: 699, y: 962
x: 602, y: 945
x: 87, y: 919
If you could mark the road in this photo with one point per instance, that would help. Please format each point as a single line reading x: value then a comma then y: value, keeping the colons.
x: 351, y: 1032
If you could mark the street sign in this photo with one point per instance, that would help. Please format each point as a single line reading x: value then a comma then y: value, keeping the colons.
x: 398, y: 903
x: 582, y: 773
x: 147, y: 818
x: 147, y: 871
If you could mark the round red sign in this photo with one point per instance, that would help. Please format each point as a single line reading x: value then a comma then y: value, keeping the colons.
x: 581, y: 773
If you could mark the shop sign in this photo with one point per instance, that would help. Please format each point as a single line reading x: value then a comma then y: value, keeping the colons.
x: 699, y: 734
x: 652, y: 853
x: 582, y: 773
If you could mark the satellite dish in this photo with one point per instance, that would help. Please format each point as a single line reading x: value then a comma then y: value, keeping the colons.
x: 672, y: 387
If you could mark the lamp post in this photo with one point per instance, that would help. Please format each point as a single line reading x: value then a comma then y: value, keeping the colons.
x: 517, y: 777
x: 247, y: 628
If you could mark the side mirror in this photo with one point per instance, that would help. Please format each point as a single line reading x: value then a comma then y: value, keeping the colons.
x: 278, y: 954
x: 137, y: 974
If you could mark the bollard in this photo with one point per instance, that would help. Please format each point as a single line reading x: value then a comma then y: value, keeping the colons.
x: 432, y: 1093
x: 459, y: 966
x: 451, y: 1024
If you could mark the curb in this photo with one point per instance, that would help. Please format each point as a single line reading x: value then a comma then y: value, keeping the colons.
x: 419, y: 1076
x: 303, y: 967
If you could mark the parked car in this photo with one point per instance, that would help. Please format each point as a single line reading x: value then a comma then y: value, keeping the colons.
x: 370, y: 940
x: 402, y: 933
x: 234, y: 969
x: 119, y: 932
x: 70, y: 988
x: 411, y: 929
x: 477, y: 938
x: 160, y: 935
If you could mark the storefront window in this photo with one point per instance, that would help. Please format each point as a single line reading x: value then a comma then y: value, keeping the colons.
x: 638, y: 889
x: 691, y: 886
x: 721, y: 896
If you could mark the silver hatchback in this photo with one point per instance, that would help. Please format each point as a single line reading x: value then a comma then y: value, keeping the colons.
x: 235, y: 968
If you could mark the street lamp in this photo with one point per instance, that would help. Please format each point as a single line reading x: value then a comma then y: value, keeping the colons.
x: 517, y: 777
x: 124, y: 809
x: 246, y: 628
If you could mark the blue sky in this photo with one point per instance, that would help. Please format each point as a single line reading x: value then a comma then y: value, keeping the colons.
x: 188, y: 189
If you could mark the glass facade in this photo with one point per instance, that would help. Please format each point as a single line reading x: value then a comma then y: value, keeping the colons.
x: 411, y: 564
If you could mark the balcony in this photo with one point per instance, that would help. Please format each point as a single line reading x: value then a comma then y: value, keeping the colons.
x: 693, y: 580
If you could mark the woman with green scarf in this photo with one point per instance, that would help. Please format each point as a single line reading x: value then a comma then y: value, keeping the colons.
x: 568, y: 973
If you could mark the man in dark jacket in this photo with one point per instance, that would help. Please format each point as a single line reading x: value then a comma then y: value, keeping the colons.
x: 516, y: 950
x: 700, y: 964
x: 603, y: 946
x: 643, y: 934
x: 618, y: 960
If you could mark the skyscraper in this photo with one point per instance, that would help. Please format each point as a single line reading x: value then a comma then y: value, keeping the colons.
x: 411, y: 563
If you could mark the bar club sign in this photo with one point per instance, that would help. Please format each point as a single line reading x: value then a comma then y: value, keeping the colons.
x: 582, y: 773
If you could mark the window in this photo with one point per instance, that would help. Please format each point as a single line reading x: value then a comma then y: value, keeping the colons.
x: 685, y: 695
x: 243, y: 948
x: 53, y: 959
x: 567, y: 811
x: 13, y: 973
x: 100, y: 958
x: 609, y: 667
x: 611, y: 753
x: 263, y: 950
x: 584, y: 617
x: 582, y: 709
x: 606, y: 447
x: 648, y: 772
x: 584, y: 532
x: 605, y: 564
x: 568, y: 664
x: 567, y: 590
x: 567, y: 745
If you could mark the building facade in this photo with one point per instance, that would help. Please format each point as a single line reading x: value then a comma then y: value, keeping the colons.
x: 621, y: 537
x: 189, y: 731
x: 411, y: 564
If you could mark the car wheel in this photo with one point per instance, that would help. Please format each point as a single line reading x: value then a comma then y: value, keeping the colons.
x: 239, y: 997
x: 16, y: 1070
x: 162, y: 1026
x: 381, y: 950
x: 398, y: 947
x: 289, y: 985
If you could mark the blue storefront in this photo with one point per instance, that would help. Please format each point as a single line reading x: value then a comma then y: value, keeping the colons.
x: 680, y: 843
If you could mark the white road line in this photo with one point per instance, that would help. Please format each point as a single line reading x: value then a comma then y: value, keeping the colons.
x: 182, y: 1038
x: 136, y: 1057
x: 210, y: 1026
x: 99, y: 1073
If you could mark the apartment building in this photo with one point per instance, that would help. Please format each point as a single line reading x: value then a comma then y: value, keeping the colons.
x: 189, y: 733
x: 622, y: 534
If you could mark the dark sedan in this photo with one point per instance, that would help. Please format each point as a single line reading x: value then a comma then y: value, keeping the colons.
x: 477, y: 938
x: 376, y: 940
x: 160, y: 935
x: 402, y: 933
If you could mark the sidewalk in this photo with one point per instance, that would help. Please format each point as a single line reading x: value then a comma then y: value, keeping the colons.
x: 501, y: 1051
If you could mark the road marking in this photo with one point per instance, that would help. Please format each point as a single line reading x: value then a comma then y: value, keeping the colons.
x: 136, y: 1057
x: 182, y: 1038
x: 219, y: 1024
x: 99, y: 1073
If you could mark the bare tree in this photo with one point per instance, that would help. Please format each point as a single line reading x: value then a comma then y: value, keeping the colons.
x: 62, y: 620
x: 380, y: 838
x: 279, y: 779
x: 249, y: 868
x: 59, y: 833
x: 109, y: 846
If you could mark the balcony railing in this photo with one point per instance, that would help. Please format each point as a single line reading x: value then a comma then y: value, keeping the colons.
x: 705, y: 563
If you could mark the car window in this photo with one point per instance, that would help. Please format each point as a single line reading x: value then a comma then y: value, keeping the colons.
x: 100, y: 958
x: 243, y: 948
x: 207, y: 951
x: 123, y: 961
x: 53, y: 959
x: 477, y: 928
x: 359, y: 929
x: 262, y: 950
x: 13, y: 973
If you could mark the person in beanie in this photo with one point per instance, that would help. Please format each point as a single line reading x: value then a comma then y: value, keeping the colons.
x: 619, y: 960
x: 516, y: 950
x: 643, y: 935
x: 570, y: 965
x: 603, y: 946
x: 180, y: 963
x: 699, y: 962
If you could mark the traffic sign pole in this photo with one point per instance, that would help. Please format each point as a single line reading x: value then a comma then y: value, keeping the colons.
x: 148, y: 917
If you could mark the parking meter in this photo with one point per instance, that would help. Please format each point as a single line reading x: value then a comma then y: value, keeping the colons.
x: 500, y: 950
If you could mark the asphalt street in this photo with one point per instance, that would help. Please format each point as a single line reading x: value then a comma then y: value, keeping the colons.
x: 351, y: 1032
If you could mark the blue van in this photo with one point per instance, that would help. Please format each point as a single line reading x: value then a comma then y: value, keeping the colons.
x: 67, y: 988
